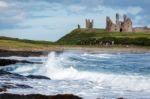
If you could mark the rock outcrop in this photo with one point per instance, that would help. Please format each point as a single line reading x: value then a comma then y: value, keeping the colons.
x: 7, y: 53
x: 37, y: 77
x: 38, y: 96
x: 3, y: 89
x: 5, y: 62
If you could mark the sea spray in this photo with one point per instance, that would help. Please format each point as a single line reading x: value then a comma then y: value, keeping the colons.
x: 56, y: 70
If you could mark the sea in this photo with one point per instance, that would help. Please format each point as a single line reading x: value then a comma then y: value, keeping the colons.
x: 103, y: 75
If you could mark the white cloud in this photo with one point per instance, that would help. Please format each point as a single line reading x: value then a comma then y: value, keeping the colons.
x: 76, y: 8
x: 134, y: 10
x: 91, y: 3
x: 108, y: 11
x: 20, y: 16
x: 3, y: 4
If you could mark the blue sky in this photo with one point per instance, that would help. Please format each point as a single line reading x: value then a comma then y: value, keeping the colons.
x: 51, y: 19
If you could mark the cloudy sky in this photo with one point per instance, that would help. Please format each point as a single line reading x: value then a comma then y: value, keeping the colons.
x: 51, y: 19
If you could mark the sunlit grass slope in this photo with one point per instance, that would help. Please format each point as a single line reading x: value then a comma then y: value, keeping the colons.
x: 79, y: 35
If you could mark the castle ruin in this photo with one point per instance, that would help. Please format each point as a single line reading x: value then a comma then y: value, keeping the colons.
x: 89, y: 23
x: 119, y: 26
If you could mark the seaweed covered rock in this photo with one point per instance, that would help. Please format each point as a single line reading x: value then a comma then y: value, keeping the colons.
x: 5, y: 62
x: 37, y: 77
x: 3, y: 89
x: 38, y: 96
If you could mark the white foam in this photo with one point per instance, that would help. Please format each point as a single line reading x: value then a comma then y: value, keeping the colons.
x: 99, y: 55
x: 55, y: 70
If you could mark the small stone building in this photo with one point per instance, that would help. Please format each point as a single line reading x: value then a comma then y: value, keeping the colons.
x: 119, y: 26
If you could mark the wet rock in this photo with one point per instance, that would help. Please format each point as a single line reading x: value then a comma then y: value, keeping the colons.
x: 23, y: 86
x: 12, y: 86
x: 7, y: 53
x: 38, y: 96
x: 37, y: 77
x: 3, y: 90
x: 5, y: 62
x: 8, y: 75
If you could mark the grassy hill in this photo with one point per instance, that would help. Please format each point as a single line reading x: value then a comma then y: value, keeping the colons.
x: 7, y: 42
x: 96, y: 36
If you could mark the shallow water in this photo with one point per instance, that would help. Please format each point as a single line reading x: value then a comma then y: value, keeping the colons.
x: 91, y: 76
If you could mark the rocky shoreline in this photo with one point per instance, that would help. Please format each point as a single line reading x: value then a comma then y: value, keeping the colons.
x: 4, y: 86
x: 38, y: 96
x: 5, y: 62
x: 7, y: 53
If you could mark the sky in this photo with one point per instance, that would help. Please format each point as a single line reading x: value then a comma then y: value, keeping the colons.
x: 51, y: 19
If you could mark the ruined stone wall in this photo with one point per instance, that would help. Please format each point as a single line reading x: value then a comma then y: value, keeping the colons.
x: 110, y: 26
x: 141, y: 29
x: 125, y: 26
x: 117, y: 27
x: 113, y: 28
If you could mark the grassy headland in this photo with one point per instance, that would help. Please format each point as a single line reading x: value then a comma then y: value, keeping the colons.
x: 101, y: 37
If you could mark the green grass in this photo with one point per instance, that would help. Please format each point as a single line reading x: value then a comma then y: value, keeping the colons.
x: 7, y: 42
x: 25, y: 40
x: 79, y: 35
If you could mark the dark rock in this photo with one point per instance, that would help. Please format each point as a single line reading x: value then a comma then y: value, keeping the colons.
x: 121, y: 98
x: 4, y: 72
x: 5, y: 62
x: 23, y: 86
x: 3, y: 90
x: 38, y: 96
x: 12, y: 85
x: 17, y: 76
x: 38, y: 77
x: 7, y: 53
x: 11, y: 75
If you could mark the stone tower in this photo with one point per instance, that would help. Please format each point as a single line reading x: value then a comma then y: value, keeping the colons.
x: 89, y: 23
x: 109, y: 25
x: 117, y: 18
x: 125, y: 17
x: 127, y: 24
x: 117, y: 26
